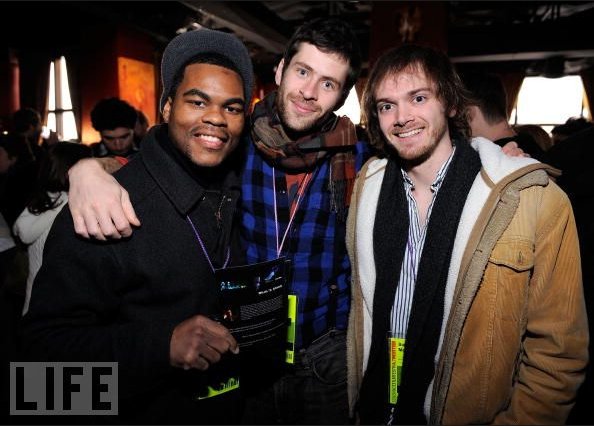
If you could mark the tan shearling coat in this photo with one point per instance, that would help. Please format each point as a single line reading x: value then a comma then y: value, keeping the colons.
x: 514, y: 338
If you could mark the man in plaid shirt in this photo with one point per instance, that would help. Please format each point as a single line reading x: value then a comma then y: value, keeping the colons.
x: 295, y: 193
x: 301, y: 164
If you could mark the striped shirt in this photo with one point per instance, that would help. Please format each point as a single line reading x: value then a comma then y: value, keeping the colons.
x: 412, y: 255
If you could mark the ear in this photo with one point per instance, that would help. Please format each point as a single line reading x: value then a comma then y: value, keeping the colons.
x: 167, y: 110
x: 452, y: 113
x: 279, y: 72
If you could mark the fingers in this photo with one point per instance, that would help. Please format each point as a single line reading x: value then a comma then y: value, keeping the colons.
x: 100, y: 207
x: 106, y: 220
x: 198, y: 342
x: 79, y: 225
x: 209, y: 354
x: 112, y: 220
x: 512, y: 149
x: 510, y: 146
x: 102, y: 223
x: 223, y: 341
x: 129, y: 213
x: 199, y: 364
x: 514, y: 152
x: 203, y: 359
x: 93, y: 229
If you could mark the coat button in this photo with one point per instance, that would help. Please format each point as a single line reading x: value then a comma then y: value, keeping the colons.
x: 520, y: 258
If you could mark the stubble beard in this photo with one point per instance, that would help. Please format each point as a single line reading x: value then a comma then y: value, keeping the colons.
x: 291, y: 123
x: 418, y: 155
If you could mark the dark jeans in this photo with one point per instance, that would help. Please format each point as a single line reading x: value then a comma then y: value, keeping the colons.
x: 312, y: 391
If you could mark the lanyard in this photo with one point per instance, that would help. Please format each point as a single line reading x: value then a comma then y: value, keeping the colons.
x: 293, y: 210
x: 396, y: 346
x: 204, y: 248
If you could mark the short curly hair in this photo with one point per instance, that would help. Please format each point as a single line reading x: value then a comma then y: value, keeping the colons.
x: 111, y: 113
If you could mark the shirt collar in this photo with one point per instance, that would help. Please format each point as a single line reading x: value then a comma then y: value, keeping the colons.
x: 438, y: 178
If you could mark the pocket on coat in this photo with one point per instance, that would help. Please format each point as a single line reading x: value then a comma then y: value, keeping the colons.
x: 511, y: 264
x: 516, y: 254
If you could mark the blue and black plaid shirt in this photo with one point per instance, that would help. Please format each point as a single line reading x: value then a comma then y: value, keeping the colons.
x: 315, y: 244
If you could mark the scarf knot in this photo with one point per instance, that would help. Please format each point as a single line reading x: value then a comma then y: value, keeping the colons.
x: 336, y: 138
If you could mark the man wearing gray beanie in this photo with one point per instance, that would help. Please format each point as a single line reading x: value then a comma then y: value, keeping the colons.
x: 146, y: 301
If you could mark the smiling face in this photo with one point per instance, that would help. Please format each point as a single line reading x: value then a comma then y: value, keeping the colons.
x: 206, y: 116
x: 412, y: 117
x: 310, y: 87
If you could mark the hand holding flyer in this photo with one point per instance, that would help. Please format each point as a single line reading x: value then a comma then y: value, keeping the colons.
x: 253, y: 302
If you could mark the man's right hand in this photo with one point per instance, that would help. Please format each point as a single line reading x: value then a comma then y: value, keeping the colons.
x: 198, y: 342
x: 100, y: 207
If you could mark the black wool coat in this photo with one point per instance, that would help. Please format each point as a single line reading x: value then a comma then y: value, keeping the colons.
x: 120, y: 300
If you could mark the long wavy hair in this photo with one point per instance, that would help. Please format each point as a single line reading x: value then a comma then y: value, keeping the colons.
x: 438, y: 69
x: 53, y: 174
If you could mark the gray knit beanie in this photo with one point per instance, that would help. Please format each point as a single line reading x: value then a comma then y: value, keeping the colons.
x: 189, y: 44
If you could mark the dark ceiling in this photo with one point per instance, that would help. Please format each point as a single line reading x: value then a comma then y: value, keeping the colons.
x: 551, y: 37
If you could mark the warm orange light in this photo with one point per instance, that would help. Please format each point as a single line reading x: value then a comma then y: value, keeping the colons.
x: 136, y: 81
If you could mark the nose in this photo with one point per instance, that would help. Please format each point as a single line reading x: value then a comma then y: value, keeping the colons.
x: 309, y: 89
x: 402, y: 116
x: 214, y: 116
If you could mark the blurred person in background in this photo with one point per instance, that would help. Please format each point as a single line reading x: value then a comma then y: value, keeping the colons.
x: 537, y: 133
x: 572, y: 126
x: 488, y: 114
x: 115, y: 121
x: 27, y: 123
x: 51, y: 195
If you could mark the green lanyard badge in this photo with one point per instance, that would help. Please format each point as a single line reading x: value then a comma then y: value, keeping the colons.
x: 396, y: 352
x: 292, y: 329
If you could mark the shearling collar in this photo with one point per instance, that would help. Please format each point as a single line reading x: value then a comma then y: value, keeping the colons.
x: 498, y: 166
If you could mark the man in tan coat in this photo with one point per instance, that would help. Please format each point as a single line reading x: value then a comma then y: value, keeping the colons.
x: 467, y: 304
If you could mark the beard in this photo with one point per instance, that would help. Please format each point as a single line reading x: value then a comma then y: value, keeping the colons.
x: 292, y: 122
x: 418, y: 154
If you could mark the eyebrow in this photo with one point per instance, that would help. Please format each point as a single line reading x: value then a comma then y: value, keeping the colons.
x: 205, y: 96
x: 411, y: 93
x: 324, y: 77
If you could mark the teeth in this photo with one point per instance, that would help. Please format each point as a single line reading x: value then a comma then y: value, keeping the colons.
x: 210, y: 138
x: 409, y: 133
